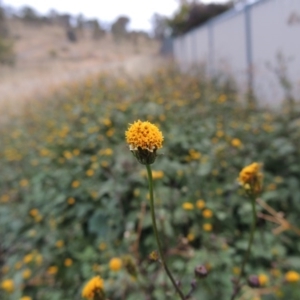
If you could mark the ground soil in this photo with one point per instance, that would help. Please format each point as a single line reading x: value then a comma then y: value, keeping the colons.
x: 46, y: 60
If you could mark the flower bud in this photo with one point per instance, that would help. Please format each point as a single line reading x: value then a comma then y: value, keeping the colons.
x: 253, y: 281
x: 201, y: 271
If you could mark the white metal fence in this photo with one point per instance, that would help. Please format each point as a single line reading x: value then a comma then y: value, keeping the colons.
x: 258, y: 44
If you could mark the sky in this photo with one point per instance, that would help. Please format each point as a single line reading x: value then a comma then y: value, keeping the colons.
x: 139, y: 11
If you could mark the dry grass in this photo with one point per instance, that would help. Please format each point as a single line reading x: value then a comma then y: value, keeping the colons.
x: 46, y: 60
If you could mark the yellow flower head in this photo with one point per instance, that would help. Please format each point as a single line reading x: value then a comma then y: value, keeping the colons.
x: 52, y: 270
x: 26, y: 298
x: 26, y: 273
x: 68, y: 262
x: 292, y: 276
x: 236, y: 143
x: 263, y: 279
x: 207, y: 213
x: 251, y: 178
x: 157, y: 174
x: 59, y: 244
x: 207, y: 227
x: 75, y: 184
x: 144, y: 138
x: 190, y: 237
x: 8, y: 285
x: 71, y: 200
x: 200, y: 204
x: 28, y: 258
x: 102, y: 246
x: 93, y: 288
x: 188, y: 206
x: 34, y: 212
x: 115, y: 264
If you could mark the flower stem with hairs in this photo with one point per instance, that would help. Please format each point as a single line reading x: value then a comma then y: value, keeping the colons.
x: 237, y: 286
x: 162, y: 257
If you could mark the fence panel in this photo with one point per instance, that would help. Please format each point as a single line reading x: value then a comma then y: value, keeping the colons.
x: 258, y: 45
x: 230, y: 48
x: 276, y: 45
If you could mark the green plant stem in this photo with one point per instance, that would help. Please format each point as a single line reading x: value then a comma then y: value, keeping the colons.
x: 163, y: 260
x: 246, y: 257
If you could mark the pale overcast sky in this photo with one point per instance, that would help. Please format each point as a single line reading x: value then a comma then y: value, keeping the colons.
x: 139, y: 11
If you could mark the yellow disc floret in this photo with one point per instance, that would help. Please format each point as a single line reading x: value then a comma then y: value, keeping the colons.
x: 144, y: 138
x: 93, y: 287
x: 144, y: 135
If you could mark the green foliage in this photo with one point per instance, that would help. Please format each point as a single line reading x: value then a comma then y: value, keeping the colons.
x: 119, y: 28
x: 73, y: 196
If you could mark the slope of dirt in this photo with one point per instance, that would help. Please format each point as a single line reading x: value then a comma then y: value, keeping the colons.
x: 46, y: 60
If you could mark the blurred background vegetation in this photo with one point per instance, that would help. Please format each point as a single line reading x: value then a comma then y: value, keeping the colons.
x: 73, y: 197
x: 74, y: 202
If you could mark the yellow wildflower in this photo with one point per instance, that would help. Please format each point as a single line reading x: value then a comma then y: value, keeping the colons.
x: 102, y: 246
x: 190, y: 237
x: 76, y: 152
x: 90, y: 172
x: 207, y: 227
x: 144, y: 138
x: 27, y: 258
x: 25, y: 298
x: 75, y: 184
x: 200, y: 204
x: 68, y: 262
x: 4, y: 198
x: 188, y: 206
x: 39, y: 259
x: 157, y: 174
x: 93, y: 288
x: 52, y: 270
x: 59, y: 244
x: 207, y: 213
x: 26, y: 273
x: 34, y: 212
x: 292, y: 276
x: 154, y: 256
x: 71, y: 201
x: 236, y: 270
x: 115, y: 264
x: 251, y: 176
x: 236, y: 143
x: 24, y: 182
x: 263, y: 279
x: 8, y: 285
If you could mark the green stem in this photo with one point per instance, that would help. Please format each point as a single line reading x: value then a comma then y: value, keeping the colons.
x: 246, y: 257
x: 163, y: 260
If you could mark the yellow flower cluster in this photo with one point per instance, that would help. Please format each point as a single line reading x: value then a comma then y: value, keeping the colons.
x: 93, y: 287
x: 144, y: 135
x: 251, y: 178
